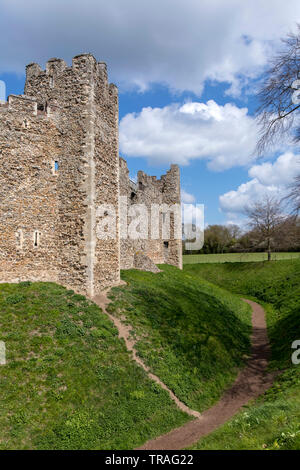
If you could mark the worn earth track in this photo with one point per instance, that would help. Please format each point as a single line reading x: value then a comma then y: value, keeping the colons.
x: 124, y: 333
x: 251, y: 382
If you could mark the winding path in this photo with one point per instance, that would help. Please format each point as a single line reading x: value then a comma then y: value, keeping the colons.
x: 251, y: 382
x: 124, y: 332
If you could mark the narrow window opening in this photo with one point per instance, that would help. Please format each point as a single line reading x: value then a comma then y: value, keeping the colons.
x: 41, y: 107
x: 166, y: 244
x: 55, y: 167
x: 36, y: 238
x: 132, y: 196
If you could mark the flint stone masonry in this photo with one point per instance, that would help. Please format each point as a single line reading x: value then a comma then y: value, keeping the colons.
x: 149, y: 190
x: 59, y: 162
x: 144, y: 263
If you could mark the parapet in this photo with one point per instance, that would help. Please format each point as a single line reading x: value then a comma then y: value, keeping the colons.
x: 123, y: 164
x: 55, y: 66
x: 57, y: 71
x: 33, y: 70
x: 102, y: 72
x: 84, y: 63
x: 22, y: 104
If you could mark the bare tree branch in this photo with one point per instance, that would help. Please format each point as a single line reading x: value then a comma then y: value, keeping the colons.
x: 276, y: 112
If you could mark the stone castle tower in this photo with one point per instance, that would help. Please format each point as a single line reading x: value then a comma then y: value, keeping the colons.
x: 59, y: 162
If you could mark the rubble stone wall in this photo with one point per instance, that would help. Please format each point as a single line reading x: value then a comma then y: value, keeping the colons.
x: 149, y: 191
x: 60, y: 162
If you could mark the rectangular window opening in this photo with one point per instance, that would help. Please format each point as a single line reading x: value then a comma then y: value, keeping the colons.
x: 36, y: 239
x: 55, y: 167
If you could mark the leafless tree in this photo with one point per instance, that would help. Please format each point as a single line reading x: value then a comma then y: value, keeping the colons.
x: 294, y: 195
x: 265, y: 218
x: 277, y: 112
x: 287, y: 236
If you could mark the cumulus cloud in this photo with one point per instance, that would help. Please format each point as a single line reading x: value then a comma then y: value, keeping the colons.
x: 179, y: 43
x: 268, y: 178
x: 186, y: 197
x: 279, y: 173
x: 225, y: 136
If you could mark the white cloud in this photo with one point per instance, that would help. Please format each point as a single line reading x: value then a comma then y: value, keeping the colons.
x: 186, y: 197
x: 247, y: 193
x: 270, y: 179
x: 280, y: 173
x: 225, y: 136
x: 179, y: 43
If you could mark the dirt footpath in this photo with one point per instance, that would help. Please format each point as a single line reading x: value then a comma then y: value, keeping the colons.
x: 251, y: 382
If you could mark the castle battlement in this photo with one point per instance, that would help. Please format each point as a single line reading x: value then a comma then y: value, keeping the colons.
x: 24, y: 107
x: 22, y: 104
x: 148, y: 191
x: 59, y: 164
x: 58, y: 75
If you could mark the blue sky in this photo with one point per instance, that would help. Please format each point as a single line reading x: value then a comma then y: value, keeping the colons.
x: 187, y: 73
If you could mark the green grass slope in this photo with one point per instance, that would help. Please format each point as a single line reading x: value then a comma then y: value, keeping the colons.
x: 69, y: 382
x: 193, y: 335
x: 272, y: 421
x: 275, y: 283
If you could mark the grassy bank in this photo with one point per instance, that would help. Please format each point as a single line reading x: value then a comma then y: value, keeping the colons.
x: 272, y: 421
x: 193, y: 335
x: 69, y: 382
x: 237, y: 257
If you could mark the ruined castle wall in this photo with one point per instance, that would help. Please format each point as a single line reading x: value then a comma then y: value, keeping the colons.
x: 28, y: 203
x: 150, y: 191
x: 79, y: 102
x: 59, y: 168
x: 107, y: 251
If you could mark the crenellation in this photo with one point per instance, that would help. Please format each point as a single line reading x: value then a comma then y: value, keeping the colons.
x: 59, y: 163
x: 33, y: 70
x: 22, y: 104
x: 55, y: 66
x: 161, y: 193
x: 102, y: 75
x: 84, y: 63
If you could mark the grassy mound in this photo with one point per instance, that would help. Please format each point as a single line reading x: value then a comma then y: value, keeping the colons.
x: 276, y: 283
x: 69, y: 382
x: 273, y: 421
x: 193, y: 335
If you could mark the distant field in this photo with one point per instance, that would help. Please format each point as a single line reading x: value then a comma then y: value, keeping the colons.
x: 236, y: 257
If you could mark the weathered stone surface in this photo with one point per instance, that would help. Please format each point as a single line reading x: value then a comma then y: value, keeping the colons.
x: 143, y: 262
x: 59, y: 162
x: 149, y: 190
